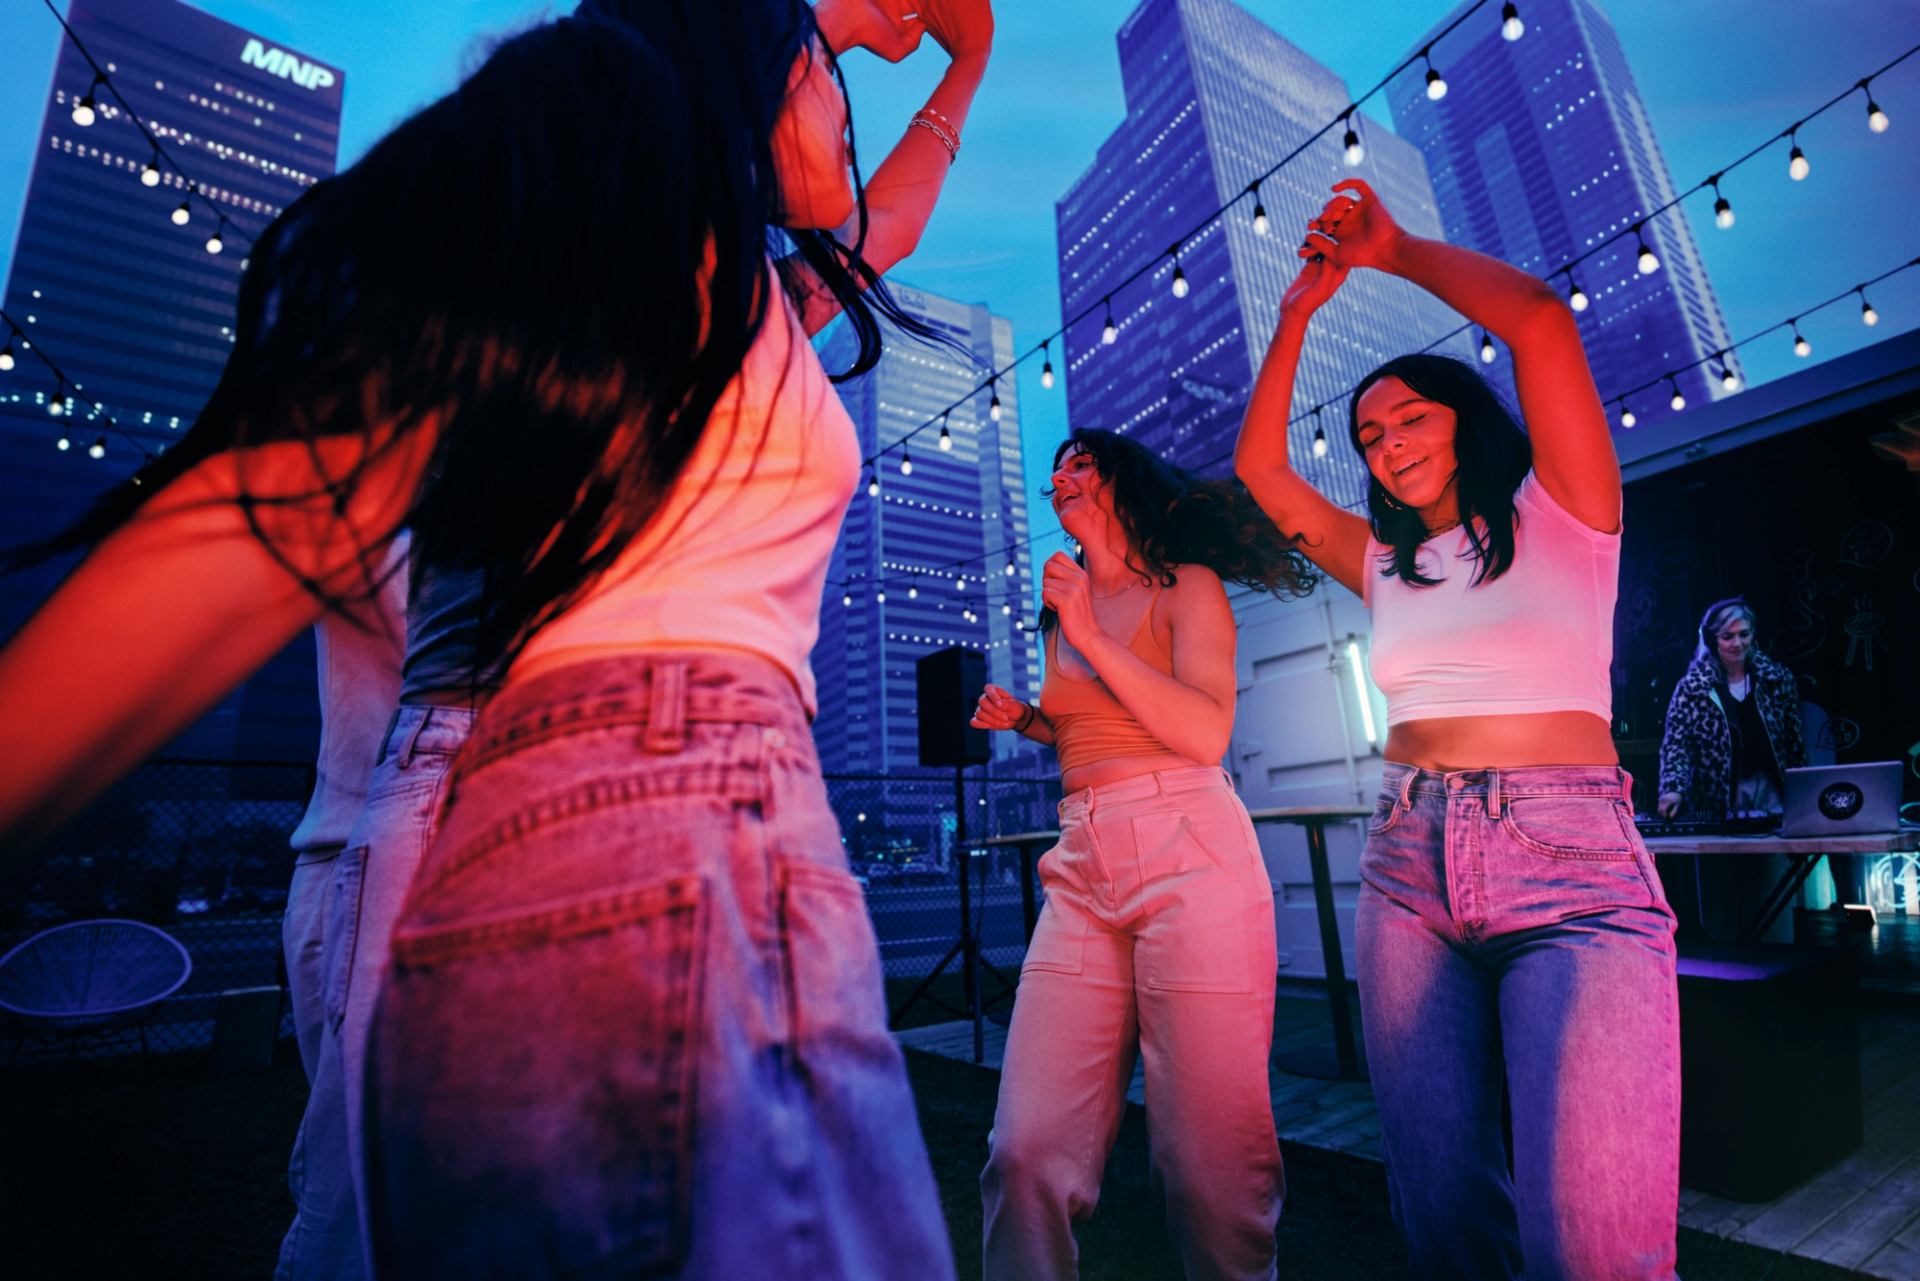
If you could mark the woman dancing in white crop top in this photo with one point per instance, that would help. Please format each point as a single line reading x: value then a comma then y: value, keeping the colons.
x: 1512, y: 932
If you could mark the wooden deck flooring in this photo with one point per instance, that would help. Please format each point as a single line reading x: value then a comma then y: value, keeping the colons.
x: 1863, y: 1213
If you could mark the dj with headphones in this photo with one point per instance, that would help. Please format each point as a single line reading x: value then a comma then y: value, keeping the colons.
x: 1733, y: 725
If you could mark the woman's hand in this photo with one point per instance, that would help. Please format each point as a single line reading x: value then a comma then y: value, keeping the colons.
x: 1668, y: 805
x: 964, y: 28
x: 998, y: 710
x: 1063, y: 588
x: 1354, y: 230
x: 1318, y: 281
x: 891, y: 29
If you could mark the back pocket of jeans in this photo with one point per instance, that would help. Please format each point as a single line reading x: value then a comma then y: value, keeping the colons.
x: 537, y: 1076
x: 1578, y: 827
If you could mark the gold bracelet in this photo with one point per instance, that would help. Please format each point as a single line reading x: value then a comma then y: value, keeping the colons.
x: 951, y: 143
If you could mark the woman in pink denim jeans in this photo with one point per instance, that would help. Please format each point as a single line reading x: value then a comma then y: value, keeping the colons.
x: 1513, y: 937
x: 1158, y: 938
x: 634, y: 1023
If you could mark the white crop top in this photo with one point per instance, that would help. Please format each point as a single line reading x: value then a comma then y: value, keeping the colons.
x: 737, y: 557
x: 1539, y: 638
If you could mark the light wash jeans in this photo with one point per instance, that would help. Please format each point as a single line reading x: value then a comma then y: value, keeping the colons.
x: 363, y: 894
x: 634, y: 1024
x: 1513, y: 933
x: 1157, y: 940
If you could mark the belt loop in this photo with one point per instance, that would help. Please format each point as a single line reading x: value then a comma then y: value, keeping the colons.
x: 386, y: 739
x: 1493, y: 793
x: 1626, y: 788
x: 666, y: 731
x: 1406, y: 789
x: 413, y: 737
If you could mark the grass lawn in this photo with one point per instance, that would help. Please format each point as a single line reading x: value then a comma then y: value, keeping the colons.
x: 108, y: 1173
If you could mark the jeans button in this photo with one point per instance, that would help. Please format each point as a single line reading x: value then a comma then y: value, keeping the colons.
x: 1456, y: 783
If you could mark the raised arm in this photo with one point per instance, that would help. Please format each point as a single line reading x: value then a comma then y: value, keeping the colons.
x: 1572, y: 448
x: 173, y: 610
x: 903, y: 191
x: 1333, y: 539
x: 1191, y: 711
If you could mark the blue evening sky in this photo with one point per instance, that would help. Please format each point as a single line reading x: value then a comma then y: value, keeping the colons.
x: 1717, y: 76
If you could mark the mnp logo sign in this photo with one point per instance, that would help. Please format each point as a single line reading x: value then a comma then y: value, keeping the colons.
x: 1841, y: 801
x: 308, y: 75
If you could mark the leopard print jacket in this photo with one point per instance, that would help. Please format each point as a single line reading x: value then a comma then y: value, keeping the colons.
x: 1696, y: 752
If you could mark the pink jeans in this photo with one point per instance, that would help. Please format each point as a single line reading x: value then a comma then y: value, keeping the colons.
x: 1157, y: 939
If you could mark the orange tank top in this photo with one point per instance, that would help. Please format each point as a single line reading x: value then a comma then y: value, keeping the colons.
x: 1089, y: 723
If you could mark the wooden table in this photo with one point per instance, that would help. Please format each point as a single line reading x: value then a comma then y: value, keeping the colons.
x: 1802, y: 852
x: 1339, y: 1061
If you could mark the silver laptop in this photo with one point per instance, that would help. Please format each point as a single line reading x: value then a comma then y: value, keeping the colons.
x: 1835, y: 800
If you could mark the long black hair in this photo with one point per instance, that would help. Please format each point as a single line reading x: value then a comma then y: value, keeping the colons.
x: 557, y: 268
x: 1174, y: 517
x: 1491, y: 457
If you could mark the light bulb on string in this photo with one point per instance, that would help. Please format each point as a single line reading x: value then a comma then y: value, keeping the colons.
x: 1627, y: 417
x: 1109, y: 334
x: 216, y: 242
x: 1722, y: 207
x: 1436, y: 83
x: 1729, y: 380
x: 1487, y: 354
x: 1576, y: 296
x: 881, y: 596
x: 98, y: 449
x: 1319, y: 441
x: 993, y: 405
x: 906, y: 461
x: 873, y: 481
x: 84, y: 113
x: 1511, y: 27
x: 1180, y: 286
x: 182, y: 214
x: 58, y: 404
x: 1798, y: 167
x: 1012, y: 569
x: 1006, y: 611
x: 1868, y: 316
x: 847, y: 599
x: 946, y: 436
x: 150, y: 172
x: 1801, y: 347
x: 1046, y: 366
x: 6, y: 356
x: 960, y: 582
x: 1646, y: 260
x: 1259, y: 211
x: 913, y: 590
x: 1355, y: 152
x: 1876, y: 118
x: 1678, y: 402
x: 63, y: 444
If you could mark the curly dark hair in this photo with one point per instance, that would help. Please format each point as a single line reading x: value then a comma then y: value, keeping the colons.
x: 1174, y: 517
x: 1491, y: 457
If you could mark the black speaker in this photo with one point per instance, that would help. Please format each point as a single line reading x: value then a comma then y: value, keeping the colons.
x: 948, y: 683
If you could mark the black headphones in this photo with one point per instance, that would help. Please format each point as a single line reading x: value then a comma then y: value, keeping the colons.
x: 1708, y: 636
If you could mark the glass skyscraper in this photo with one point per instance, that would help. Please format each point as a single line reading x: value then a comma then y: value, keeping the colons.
x: 132, y: 307
x: 1214, y: 97
x: 1540, y: 150
x: 932, y: 542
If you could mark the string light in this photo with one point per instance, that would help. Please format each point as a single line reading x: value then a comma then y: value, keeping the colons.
x: 1797, y: 165
x: 873, y: 482
x: 84, y: 111
x: 1511, y: 28
x: 182, y: 214
x: 1319, y: 441
x: 1722, y: 208
x: 1436, y: 83
x: 1801, y: 347
x: 913, y: 591
x: 1259, y: 211
x: 880, y: 597
x: 1627, y: 417
x: 63, y: 444
x: 993, y: 405
x: 1576, y: 296
x: 6, y: 354
x: 1355, y: 153
x: 1006, y: 610
x: 57, y: 405
x: 1868, y: 316
x: 1647, y: 261
x: 1678, y: 402
x: 1876, y: 118
x: 1046, y: 365
x: 1180, y: 286
x: 847, y: 599
x: 1012, y: 568
x: 1108, y: 333
x: 906, y: 461
x: 1728, y: 379
x: 150, y: 172
x: 216, y: 242
x: 946, y: 437
x: 98, y: 449
x: 1487, y: 353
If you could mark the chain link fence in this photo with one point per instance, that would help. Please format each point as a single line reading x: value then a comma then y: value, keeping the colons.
x: 199, y: 848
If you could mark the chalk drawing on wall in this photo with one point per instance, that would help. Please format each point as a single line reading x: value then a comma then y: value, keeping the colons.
x: 1839, y: 734
x: 1805, y: 630
x: 1863, y: 631
x: 1868, y: 543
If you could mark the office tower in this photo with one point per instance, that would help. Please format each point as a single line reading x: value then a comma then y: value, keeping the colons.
x: 933, y: 542
x: 132, y: 306
x: 1541, y: 149
x: 1214, y: 98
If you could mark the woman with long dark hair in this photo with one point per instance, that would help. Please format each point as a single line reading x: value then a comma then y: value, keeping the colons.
x: 633, y: 986
x: 1513, y: 936
x: 1158, y: 937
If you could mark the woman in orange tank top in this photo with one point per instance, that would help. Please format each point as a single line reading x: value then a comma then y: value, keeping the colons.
x: 1157, y: 939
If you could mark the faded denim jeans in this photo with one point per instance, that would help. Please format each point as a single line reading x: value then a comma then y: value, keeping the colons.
x: 1157, y: 940
x: 1512, y: 933
x: 634, y: 1024
x: 363, y: 897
